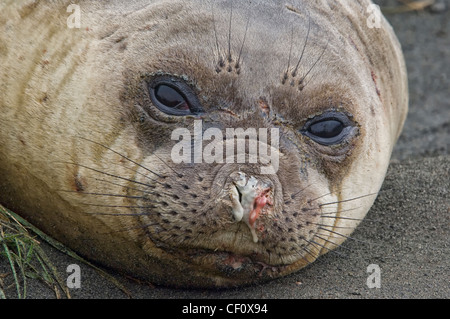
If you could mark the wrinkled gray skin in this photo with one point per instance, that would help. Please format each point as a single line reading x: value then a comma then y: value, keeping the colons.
x: 86, y: 155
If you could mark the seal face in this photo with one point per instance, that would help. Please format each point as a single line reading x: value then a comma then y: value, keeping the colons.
x: 198, y: 143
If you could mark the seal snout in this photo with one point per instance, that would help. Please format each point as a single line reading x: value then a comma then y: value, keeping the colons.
x: 250, y: 199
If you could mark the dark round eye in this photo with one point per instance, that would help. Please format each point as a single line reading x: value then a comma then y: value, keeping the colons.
x: 326, y: 128
x: 170, y: 97
x: 329, y: 128
x: 173, y: 96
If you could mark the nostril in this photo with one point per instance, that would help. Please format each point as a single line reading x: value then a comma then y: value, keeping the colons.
x: 236, y: 206
x: 250, y: 197
x: 240, y: 195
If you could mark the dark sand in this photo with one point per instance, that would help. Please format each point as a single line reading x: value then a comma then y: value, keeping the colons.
x: 407, y: 231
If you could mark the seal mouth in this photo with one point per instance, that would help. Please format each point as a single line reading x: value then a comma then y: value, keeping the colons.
x: 243, y: 268
x: 245, y: 228
x: 231, y: 266
x: 236, y: 265
x: 242, y: 235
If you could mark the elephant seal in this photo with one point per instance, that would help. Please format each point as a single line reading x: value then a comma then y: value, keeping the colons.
x: 115, y: 122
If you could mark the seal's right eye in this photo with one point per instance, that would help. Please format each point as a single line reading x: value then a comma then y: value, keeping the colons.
x: 170, y: 98
x: 173, y: 96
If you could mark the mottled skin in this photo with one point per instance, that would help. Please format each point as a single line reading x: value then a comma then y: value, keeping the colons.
x: 84, y: 154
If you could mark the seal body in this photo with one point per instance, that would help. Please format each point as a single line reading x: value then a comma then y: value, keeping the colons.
x: 91, y: 96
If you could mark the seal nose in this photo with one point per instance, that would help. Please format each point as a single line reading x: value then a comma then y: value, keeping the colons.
x: 250, y: 198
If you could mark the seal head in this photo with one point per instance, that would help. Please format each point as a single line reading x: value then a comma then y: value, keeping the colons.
x: 121, y: 138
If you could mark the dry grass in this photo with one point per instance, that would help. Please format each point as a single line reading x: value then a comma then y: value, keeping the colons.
x: 27, y: 260
x: 409, y: 5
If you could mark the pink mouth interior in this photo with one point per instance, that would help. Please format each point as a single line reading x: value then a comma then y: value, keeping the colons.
x: 258, y: 204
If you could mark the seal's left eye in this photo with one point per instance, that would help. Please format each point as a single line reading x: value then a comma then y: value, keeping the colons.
x: 326, y: 129
x: 173, y: 96
x: 329, y: 128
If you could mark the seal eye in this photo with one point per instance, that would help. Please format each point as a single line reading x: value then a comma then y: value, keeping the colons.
x: 330, y: 128
x: 326, y: 129
x: 170, y: 98
x: 173, y: 96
